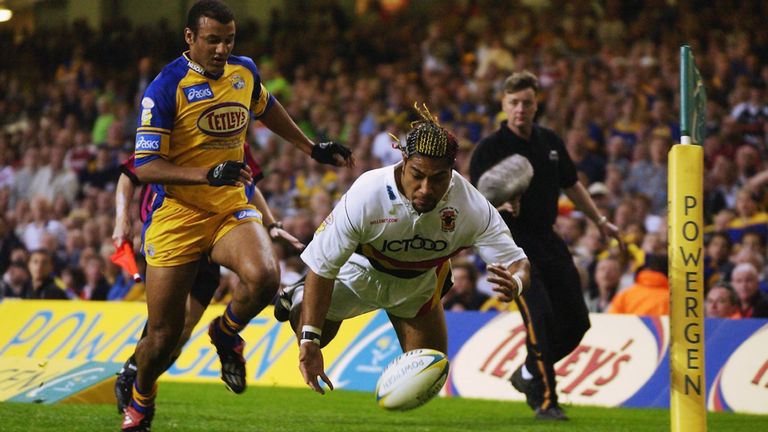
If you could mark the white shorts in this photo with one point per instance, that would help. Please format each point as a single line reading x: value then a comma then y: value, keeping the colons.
x: 358, y: 290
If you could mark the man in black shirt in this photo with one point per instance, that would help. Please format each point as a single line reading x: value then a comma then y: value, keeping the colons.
x: 553, y: 308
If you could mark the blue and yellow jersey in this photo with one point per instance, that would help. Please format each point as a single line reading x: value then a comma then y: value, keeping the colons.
x: 192, y: 118
x: 629, y: 130
x: 757, y: 223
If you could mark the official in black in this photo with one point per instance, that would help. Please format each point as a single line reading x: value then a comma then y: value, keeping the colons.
x: 553, y: 308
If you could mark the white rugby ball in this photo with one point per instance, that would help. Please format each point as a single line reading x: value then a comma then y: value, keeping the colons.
x: 412, y: 379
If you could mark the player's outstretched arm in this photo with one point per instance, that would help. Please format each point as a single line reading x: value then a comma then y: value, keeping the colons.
x: 227, y: 173
x: 580, y: 197
x: 123, y: 196
x: 160, y: 171
x: 317, y: 300
x: 279, y: 122
x: 274, y: 227
x: 510, y: 282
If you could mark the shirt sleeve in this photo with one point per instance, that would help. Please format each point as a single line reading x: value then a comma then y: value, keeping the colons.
x: 335, y: 240
x: 261, y: 102
x: 261, y: 99
x: 479, y: 161
x: 566, y: 166
x: 495, y: 243
x: 158, y: 107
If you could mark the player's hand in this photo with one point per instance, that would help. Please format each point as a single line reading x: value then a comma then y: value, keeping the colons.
x: 503, y: 282
x: 122, y: 231
x: 311, y: 366
x: 608, y: 229
x: 332, y: 153
x: 512, y: 206
x: 230, y: 173
x: 277, y: 232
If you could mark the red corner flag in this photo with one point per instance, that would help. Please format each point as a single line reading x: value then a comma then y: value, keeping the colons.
x: 124, y: 257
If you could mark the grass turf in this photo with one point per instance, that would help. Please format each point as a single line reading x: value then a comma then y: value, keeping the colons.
x: 209, y: 407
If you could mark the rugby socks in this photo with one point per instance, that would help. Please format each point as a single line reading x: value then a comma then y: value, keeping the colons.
x: 143, y: 402
x: 229, y: 326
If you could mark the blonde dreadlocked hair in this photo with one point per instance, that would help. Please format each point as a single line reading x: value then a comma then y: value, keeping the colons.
x: 428, y: 138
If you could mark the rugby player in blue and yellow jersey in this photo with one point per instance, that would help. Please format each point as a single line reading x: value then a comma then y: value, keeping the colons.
x: 189, y: 146
x: 208, y: 276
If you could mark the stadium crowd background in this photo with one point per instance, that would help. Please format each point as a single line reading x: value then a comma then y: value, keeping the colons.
x: 609, y: 77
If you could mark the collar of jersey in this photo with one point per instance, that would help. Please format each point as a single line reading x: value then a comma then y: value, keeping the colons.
x: 402, y: 200
x: 196, y: 67
x: 509, y: 130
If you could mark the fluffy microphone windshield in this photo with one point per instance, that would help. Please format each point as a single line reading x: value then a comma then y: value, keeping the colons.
x: 506, y: 179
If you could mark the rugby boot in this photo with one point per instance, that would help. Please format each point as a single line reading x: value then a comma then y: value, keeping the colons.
x: 135, y: 421
x: 284, y: 301
x: 554, y: 412
x: 231, y: 357
x: 124, y: 384
x: 533, y: 388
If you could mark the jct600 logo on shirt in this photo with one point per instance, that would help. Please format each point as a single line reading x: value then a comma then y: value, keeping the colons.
x: 417, y: 242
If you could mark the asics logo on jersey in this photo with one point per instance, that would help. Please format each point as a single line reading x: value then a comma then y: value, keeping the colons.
x: 242, y: 214
x: 198, y: 92
x: 147, y: 142
x: 415, y: 243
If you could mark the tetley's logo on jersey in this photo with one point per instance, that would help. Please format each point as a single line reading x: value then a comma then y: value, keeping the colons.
x: 223, y: 120
x: 199, y: 92
x: 147, y: 142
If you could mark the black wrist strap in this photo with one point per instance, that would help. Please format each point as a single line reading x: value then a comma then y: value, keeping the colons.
x: 310, y: 336
x: 276, y: 224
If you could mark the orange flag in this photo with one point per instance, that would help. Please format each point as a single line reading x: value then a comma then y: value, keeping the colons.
x: 125, y: 258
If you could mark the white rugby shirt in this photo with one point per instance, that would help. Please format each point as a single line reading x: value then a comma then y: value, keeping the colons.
x: 374, y: 229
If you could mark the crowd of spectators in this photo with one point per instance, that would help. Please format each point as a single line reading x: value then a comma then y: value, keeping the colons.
x: 609, y: 77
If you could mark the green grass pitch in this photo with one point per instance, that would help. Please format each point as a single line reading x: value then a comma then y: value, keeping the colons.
x: 210, y: 407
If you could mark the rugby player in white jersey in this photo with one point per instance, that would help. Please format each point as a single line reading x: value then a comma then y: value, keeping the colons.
x: 387, y: 245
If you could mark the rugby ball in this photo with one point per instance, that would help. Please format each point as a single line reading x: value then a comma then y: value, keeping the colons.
x: 412, y: 379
